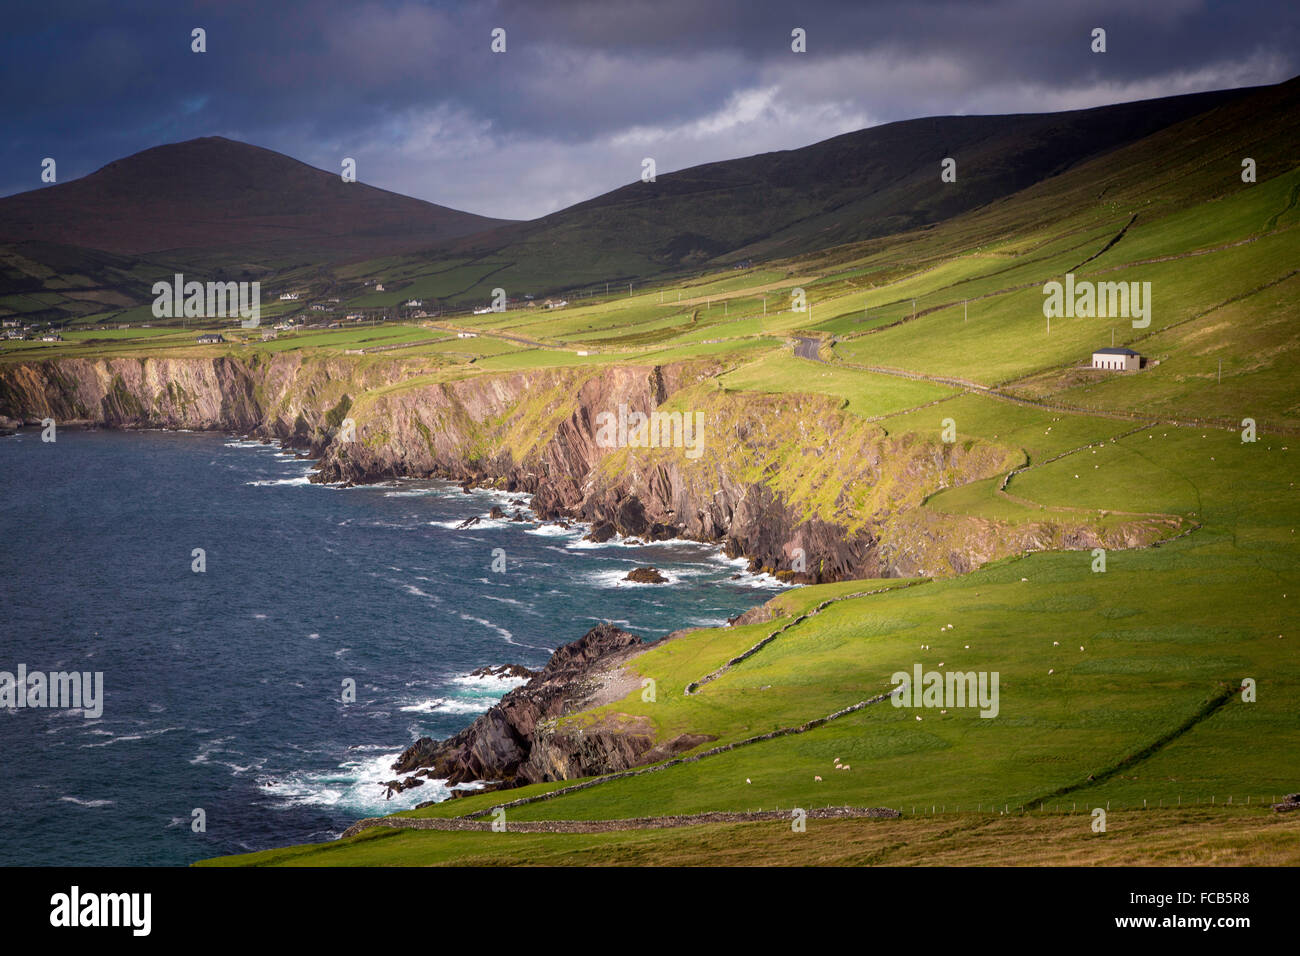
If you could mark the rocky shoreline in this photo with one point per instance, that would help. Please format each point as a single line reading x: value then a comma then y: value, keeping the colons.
x: 520, y: 740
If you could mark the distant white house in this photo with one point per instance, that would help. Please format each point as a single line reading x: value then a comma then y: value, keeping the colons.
x: 413, y: 303
x: 379, y: 287
x: 466, y: 335
x: 556, y: 303
x: 485, y: 311
x: 288, y: 296
x: 51, y: 337
x: 210, y: 338
x: 1118, y: 360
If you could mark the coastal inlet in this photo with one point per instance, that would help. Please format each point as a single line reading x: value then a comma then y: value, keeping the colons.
x: 223, y: 689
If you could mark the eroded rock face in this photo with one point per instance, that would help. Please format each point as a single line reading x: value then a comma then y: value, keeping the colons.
x: 535, y: 432
x: 515, y: 741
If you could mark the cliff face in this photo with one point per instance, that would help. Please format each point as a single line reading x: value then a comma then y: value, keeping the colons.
x: 791, y: 482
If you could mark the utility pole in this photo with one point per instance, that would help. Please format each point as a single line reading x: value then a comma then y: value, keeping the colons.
x: 963, y: 310
x: 913, y: 308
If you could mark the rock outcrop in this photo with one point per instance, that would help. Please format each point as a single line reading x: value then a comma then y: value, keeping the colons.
x: 518, y: 741
x: 645, y: 576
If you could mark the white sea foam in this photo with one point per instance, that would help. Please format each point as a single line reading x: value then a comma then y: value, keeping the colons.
x: 354, y: 787
x: 271, y: 482
x: 449, y: 705
x: 553, y: 531
x: 87, y: 803
x: 490, y: 683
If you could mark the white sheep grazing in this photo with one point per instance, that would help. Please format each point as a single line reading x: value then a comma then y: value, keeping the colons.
x: 818, y: 779
x: 747, y: 780
x: 918, y: 716
x: 1051, y: 671
x: 845, y: 767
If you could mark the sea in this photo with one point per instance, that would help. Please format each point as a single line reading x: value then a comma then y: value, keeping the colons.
x: 229, y: 604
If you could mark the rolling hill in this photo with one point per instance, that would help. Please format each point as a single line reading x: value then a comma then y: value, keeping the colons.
x: 213, y: 194
x: 217, y: 206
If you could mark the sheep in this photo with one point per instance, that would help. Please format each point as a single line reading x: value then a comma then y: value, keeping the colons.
x: 817, y: 778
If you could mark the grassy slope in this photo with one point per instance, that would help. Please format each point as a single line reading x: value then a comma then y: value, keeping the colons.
x: 1187, y: 837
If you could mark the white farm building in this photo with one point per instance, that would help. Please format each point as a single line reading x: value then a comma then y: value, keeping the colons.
x: 1119, y: 360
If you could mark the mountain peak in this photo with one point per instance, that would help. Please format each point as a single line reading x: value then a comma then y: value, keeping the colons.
x: 212, y: 192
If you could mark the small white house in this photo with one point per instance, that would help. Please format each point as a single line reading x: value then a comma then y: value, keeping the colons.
x: 288, y: 296
x: 1117, y: 360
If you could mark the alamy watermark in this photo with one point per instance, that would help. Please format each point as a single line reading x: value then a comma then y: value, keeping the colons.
x: 213, y: 300
x: 59, y: 689
x: 1088, y: 300
x: 656, y: 430
x: 953, y: 689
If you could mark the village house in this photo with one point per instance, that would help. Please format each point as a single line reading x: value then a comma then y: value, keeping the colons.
x: 268, y: 336
x: 51, y: 337
x: 1119, y: 360
x: 210, y: 338
x: 288, y: 296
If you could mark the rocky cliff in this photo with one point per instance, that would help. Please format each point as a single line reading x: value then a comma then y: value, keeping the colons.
x: 792, y: 482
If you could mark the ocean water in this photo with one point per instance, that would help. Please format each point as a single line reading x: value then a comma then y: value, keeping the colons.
x: 223, y: 689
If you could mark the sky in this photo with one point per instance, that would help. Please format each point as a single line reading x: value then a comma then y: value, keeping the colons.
x: 585, y: 89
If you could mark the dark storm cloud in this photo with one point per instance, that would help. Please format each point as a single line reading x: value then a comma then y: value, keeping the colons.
x: 585, y: 89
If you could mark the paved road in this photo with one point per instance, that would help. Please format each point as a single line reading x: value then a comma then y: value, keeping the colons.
x: 807, y: 348
x: 518, y: 339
